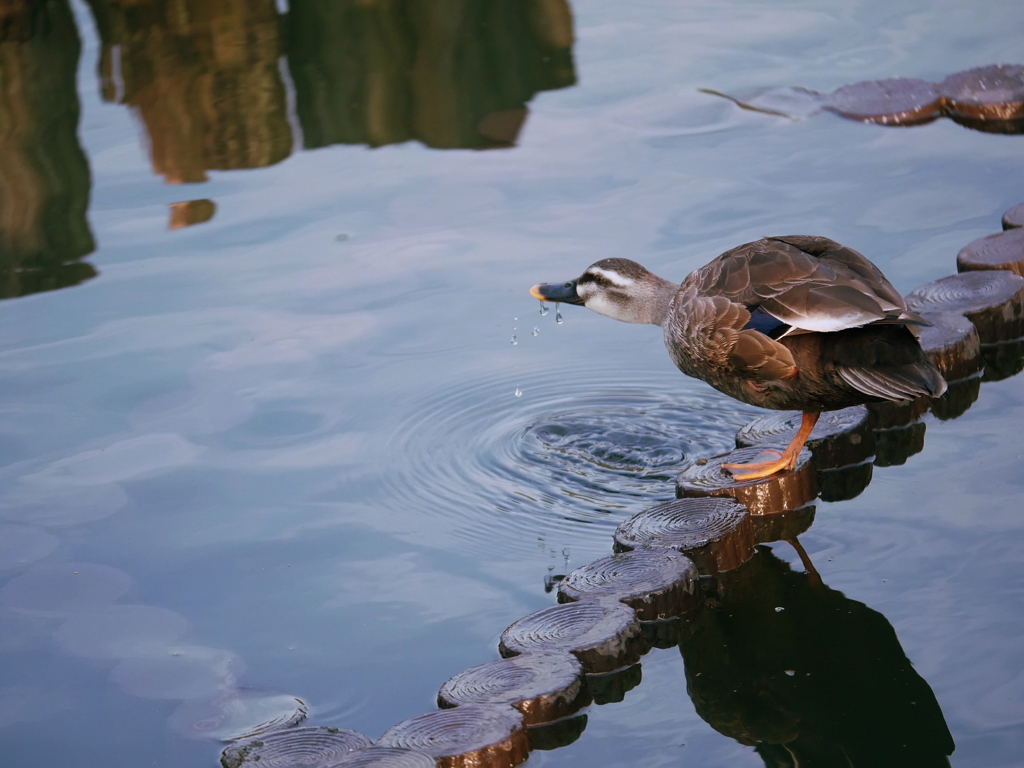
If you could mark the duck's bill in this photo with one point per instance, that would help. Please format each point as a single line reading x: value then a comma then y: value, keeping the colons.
x: 563, y: 292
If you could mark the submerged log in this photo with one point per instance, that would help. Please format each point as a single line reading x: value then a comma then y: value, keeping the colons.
x: 542, y: 686
x: 715, y: 533
x: 294, y: 748
x: 896, y: 101
x: 991, y: 299
x: 657, y: 584
x: 840, y: 438
x: 603, y: 636
x: 779, y: 492
x: 468, y: 736
x: 1003, y: 250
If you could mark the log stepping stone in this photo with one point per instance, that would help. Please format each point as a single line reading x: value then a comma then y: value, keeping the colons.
x: 840, y: 438
x: 1002, y: 360
x: 666, y: 633
x: 894, y: 446
x: 894, y: 414
x: 1003, y: 250
x: 953, y: 345
x: 468, y: 736
x: 763, y: 496
x: 991, y: 299
x: 1014, y: 218
x: 294, y: 748
x: 896, y: 101
x: 715, y: 533
x: 602, y: 636
x: 783, y: 526
x: 384, y: 757
x: 542, y: 686
x: 957, y: 399
x: 656, y: 583
x: 994, y: 92
x: 612, y: 687
x: 558, y: 734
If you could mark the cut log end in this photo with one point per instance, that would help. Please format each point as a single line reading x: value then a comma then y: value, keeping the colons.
x: 991, y: 299
x: 294, y: 747
x: 1014, y: 218
x: 839, y: 438
x: 716, y: 533
x: 468, y: 736
x: 898, y: 101
x: 1003, y: 250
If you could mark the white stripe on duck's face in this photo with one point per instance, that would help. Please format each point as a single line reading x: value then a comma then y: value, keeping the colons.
x: 618, y: 288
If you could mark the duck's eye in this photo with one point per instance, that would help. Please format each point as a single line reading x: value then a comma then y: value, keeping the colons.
x: 603, y: 281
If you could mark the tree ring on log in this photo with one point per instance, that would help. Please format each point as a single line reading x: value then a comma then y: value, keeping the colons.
x: 385, y: 757
x: 468, y: 736
x: 1003, y: 250
x: 294, y: 748
x: 603, y: 636
x: 656, y: 583
x: 991, y: 299
x: 715, y: 533
x: 542, y: 686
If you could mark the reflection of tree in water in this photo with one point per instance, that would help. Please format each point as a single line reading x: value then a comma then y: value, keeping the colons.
x: 809, y: 677
x: 203, y: 75
x: 44, y: 177
x: 449, y: 73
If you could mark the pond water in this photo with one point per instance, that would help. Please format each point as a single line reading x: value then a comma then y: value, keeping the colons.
x: 292, y: 423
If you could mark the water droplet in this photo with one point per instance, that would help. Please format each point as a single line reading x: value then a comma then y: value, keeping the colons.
x: 514, y: 342
x: 536, y: 330
x: 558, y: 316
x: 779, y: 609
x: 790, y: 672
x: 543, y: 308
x: 519, y: 392
x: 516, y: 319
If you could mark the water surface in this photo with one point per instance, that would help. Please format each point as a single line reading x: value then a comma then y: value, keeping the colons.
x: 280, y: 448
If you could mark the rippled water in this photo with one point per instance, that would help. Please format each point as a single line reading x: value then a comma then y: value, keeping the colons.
x: 259, y: 421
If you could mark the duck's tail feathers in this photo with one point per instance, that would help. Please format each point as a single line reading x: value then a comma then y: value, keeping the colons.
x: 904, y: 382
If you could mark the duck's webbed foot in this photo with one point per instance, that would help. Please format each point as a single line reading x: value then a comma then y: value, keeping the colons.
x: 787, y: 459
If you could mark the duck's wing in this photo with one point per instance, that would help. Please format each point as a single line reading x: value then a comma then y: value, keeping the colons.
x: 808, y: 283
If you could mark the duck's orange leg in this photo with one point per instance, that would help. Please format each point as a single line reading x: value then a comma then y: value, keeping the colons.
x: 788, y: 458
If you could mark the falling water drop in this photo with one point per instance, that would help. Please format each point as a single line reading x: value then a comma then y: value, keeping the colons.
x: 514, y: 341
x: 543, y: 309
x: 519, y: 392
x: 536, y: 330
x: 558, y: 316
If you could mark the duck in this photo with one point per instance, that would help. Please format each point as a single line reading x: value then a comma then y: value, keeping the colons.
x: 799, y: 322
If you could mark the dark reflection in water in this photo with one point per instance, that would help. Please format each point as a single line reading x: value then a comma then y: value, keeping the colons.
x: 448, y: 73
x: 44, y: 177
x: 203, y: 76
x: 809, y: 677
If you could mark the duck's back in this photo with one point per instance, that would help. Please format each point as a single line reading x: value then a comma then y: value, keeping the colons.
x: 799, y: 322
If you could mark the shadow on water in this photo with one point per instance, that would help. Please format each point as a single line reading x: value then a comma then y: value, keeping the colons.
x: 44, y: 176
x: 808, y: 676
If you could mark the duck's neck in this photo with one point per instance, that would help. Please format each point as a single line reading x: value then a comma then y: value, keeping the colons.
x: 659, y: 304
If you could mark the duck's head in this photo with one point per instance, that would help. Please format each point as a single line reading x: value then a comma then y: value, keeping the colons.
x: 618, y: 288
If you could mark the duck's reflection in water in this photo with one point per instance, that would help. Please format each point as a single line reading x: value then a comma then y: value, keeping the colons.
x: 807, y: 676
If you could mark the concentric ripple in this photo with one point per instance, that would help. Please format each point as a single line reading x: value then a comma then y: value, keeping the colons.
x: 568, y: 457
